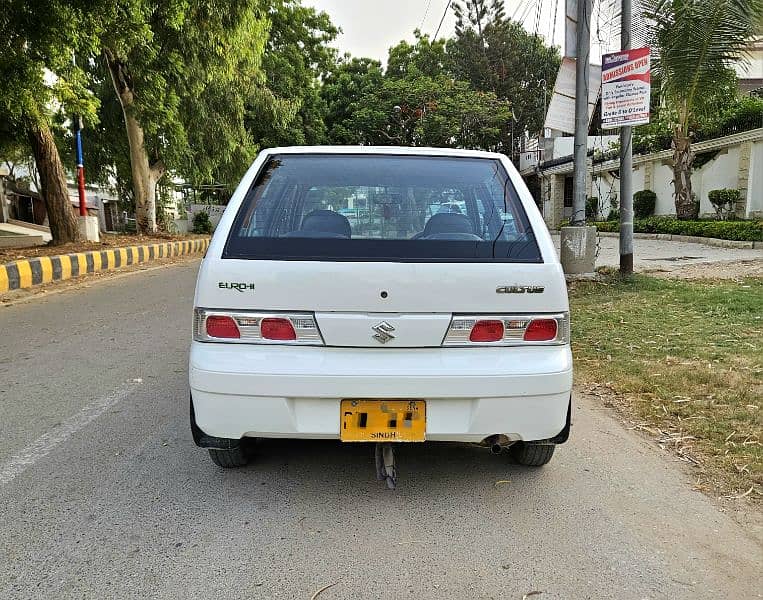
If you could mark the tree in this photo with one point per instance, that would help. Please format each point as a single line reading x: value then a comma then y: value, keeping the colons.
x: 416, y: 102
x: 296, y: 55
x: 183, y: 73
x: 430, y: 111
x: 495, y: 54
x: 697, y: 41
x: 39, y: 80
x: 477, y: 14
x: 344, y: 87
x: 425, y: 57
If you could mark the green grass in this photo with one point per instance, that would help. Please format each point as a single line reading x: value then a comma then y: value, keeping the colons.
x: 685, y: 362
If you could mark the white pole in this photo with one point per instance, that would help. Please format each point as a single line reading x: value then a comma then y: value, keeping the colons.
x: 626, y: 163
x: 582, y: 71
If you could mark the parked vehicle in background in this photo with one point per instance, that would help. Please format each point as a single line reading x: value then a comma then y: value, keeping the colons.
x: 334, y: 304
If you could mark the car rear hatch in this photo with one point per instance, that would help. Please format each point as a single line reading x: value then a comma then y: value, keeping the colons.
x: 386, y: 251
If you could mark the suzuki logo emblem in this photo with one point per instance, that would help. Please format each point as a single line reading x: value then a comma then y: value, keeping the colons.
x: 383, y: 332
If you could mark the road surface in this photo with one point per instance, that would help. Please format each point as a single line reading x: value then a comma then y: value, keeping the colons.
x: 103, y: 495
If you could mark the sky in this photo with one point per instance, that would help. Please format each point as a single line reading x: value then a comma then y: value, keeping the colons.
x: 371, y: 27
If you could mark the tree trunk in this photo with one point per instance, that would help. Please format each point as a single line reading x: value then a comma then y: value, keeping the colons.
x: 63, y: 224
x: 144, y: 174
x: 683, y: 157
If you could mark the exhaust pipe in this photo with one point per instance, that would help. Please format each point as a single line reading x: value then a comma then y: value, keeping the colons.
x: 496, y: 442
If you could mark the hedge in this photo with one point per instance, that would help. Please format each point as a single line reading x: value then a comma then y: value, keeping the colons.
x: 747, y: 231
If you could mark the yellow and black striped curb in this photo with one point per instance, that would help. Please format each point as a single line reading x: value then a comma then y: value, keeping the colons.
x: 44, y: 269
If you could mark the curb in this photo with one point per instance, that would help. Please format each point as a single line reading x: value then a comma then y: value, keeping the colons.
x: 695, y: 239
x: 29, y: 272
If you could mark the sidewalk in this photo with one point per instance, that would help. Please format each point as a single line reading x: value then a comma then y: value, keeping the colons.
x: 678, y: 257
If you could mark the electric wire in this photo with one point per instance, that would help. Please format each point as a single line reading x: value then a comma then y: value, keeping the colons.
x: 444, y: 13
x: 538, y: 12
x: 516, y: 11
x: 530, y: 6
x: 426, y: 12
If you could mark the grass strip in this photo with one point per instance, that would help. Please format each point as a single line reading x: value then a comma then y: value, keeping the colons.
x: 685, y: 362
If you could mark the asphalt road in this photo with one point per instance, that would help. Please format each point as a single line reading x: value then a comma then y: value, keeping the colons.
x: 103, y: 495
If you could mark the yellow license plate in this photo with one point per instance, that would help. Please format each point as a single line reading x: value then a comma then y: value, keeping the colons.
x: 383, y: 421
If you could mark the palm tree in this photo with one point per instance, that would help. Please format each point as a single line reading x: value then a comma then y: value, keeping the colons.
x: 695, y: 42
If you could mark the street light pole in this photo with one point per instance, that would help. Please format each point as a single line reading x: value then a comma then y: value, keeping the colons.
x: 626, y: 163
x: 80, y: 167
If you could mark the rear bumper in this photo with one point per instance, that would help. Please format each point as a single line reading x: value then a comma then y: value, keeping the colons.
x: 292, y: 392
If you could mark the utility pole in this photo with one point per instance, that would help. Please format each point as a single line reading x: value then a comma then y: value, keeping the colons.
x: 80, y: 167
x: 582, y: 72
x: 578, y: 241
x: 626, y: 163
x: 88, y: 226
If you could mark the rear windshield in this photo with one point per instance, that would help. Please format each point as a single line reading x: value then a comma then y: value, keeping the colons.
x: 382, y: 207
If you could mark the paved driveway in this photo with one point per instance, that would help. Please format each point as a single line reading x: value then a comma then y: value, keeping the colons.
x: 675, y: 257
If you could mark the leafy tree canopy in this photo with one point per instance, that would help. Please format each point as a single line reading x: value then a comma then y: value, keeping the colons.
x: 417, y: 102
x: 296, y: 54
x: 190, y: 67
x: 344, y: 87
x: 424, y: 57
x: 515, y: 65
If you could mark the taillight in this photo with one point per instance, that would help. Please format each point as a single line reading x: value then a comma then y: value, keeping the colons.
x: 277, y: 329
x: 222, y: 327
x: 487, y: 331
x: 541, y: 330
x: 255, y: 328
x: 507, y: 330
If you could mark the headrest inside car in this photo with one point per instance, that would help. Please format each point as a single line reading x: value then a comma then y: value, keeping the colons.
x: 327, y: 221
x: 448, y: 223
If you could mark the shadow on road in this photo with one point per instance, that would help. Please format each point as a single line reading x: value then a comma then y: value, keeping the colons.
x: 322, y: 467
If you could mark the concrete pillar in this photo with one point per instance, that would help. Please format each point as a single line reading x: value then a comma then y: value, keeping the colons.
x: 745, y: 152
x: 88, y: 228
x: 648, y: 175
x: 578, y: 251
x: 553, y: 205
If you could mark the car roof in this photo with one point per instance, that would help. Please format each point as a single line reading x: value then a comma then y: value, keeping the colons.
x: 389, y: 150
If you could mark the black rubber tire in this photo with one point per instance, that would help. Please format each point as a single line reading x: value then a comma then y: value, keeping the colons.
x: 229, y: 459
x: 532, y: 455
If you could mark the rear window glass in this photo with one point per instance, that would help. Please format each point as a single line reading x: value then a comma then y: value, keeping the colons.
x: 382, y: 207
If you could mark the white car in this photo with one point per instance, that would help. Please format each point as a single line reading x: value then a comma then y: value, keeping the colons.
x: 401, y: 327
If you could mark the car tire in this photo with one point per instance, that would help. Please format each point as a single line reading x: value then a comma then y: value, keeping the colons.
x: 532, y: 455
x: 229, y: 458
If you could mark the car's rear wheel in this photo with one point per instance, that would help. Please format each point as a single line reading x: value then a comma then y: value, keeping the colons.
x: 229, y: 458
x: 531, y: 454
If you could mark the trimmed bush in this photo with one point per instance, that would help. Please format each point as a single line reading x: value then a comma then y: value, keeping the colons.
x: 644, y: 202
x: 724, y: 202
x: 746, y: 231
x: 201, y: 223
